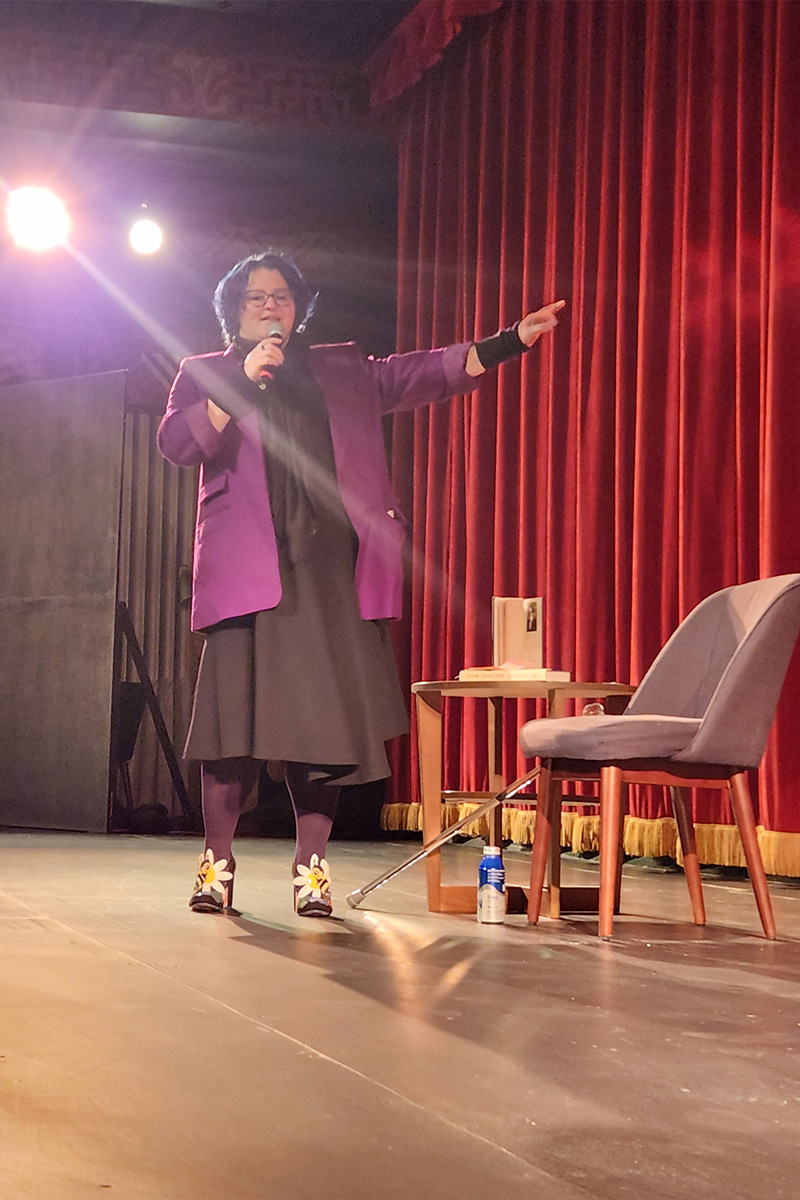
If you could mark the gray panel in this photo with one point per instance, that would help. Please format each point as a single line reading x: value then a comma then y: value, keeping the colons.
x: 60, y: 477
x: 54, y: 736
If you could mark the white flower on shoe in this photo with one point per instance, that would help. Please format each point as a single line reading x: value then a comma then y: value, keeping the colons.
x: 212, y: 875
x: 313, y: 880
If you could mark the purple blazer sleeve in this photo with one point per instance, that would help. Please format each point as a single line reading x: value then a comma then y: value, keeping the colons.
x: 186, y: 435
x: 407, y: 381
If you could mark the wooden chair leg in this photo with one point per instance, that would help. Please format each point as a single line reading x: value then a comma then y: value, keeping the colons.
x: 545, y: 803
x: 610, y: 818
x: 743, y: 811
x: 682, y: 807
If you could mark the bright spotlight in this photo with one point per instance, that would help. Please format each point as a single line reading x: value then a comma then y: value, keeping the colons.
x: 145, y: 236
x: 37, y: 219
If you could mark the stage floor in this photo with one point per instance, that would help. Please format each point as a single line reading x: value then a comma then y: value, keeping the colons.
x: 150, y: 1053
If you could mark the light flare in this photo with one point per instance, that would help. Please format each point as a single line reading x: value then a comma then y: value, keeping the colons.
x: 146, y: 236
x: 37, y: 219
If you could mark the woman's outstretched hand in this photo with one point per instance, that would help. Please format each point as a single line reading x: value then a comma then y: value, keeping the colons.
x: 531, y: 328
x: 494, y: 350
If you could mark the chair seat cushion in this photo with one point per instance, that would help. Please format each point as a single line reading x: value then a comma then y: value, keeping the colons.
x: 608, y: 738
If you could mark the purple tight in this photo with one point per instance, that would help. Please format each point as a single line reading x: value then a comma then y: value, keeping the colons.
x: 226, y: 784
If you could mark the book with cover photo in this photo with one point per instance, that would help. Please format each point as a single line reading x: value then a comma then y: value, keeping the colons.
x: 516, y: 644
x: 517, y: 630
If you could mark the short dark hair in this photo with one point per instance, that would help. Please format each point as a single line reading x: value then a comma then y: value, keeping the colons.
x: 230, y: 291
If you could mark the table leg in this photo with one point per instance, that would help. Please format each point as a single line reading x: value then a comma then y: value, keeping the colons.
x: 555, y: 708
x: 496, y: 782
x: 429, y: 734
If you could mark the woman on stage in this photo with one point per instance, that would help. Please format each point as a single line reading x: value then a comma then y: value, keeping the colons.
x: 297, y: 559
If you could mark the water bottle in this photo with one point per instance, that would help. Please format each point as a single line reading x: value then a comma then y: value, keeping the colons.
x: 491, y: 887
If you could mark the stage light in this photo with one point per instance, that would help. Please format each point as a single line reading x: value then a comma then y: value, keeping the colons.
x: 37, y: 220
x: 146, y: 236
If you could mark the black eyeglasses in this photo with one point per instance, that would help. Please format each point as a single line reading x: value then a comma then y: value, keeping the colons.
x: 281, y: 296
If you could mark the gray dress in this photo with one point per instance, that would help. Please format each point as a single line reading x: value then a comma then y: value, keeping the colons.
x: 309, y: 680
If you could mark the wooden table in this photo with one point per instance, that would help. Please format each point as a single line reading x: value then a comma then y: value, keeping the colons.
x: 429, y: 695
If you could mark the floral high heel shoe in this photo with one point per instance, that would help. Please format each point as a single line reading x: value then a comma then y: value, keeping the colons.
x: 312, y: 889
x: 213, y: 887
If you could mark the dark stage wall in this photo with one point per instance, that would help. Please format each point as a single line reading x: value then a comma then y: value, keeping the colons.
x: 60, y: 477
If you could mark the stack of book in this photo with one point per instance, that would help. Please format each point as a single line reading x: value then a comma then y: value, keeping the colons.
x: 516, y: 671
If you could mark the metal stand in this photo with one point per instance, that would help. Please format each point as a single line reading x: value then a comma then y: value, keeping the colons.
x: 126, y: 630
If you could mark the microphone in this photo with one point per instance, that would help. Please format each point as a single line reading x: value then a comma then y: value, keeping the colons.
x: 274, y: 334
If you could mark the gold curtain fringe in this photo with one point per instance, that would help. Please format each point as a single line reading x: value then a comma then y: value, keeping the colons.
x: 404, y: 818
x: 518, y: 823
x: 718, y: 844
x: 780, y: 851
x: 644, y: 837
x: 649, y: 838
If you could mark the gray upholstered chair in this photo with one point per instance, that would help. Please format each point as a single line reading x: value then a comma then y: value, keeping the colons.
x: 699, y: 718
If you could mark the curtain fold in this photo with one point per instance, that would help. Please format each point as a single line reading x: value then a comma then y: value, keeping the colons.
x: 417, y: 43
x: 637, y: 159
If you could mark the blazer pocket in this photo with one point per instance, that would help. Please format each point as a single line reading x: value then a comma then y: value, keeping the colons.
x: 214, y: 497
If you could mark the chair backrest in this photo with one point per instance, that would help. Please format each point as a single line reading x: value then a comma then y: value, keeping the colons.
x: 726, y: 663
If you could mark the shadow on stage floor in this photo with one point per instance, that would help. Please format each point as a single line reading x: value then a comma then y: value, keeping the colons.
x: 151, y: 1052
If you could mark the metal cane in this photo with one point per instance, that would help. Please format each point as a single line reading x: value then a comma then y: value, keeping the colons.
x: 356, y: 897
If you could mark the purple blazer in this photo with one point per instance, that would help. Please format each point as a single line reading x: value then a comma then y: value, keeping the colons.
x: 235, y: 551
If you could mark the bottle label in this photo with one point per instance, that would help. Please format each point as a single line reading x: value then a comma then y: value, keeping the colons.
x: 491, y: 894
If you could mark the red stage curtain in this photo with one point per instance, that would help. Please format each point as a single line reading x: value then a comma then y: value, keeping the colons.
x: 639, y: 160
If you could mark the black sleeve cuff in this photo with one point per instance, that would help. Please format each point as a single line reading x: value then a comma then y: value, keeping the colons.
x: 500, y: 347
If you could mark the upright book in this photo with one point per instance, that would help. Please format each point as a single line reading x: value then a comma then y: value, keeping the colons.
x: 516, y: 644
x: 517, y: 630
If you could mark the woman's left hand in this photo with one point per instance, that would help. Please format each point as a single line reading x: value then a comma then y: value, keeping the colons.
x: 531, y: 328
